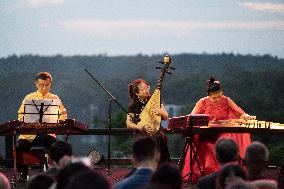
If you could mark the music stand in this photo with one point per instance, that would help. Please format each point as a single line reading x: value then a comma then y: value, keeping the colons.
x: 41, y: 111
x: 36, y: 111
x: 191, y: 121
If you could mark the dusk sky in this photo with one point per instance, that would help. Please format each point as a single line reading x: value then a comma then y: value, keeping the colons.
x: 129, y: 27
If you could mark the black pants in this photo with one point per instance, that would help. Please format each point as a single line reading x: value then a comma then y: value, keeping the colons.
x: 162, y: 143
x: 24, y: 146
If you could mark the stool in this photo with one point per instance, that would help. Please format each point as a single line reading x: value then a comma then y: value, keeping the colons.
x: 37, y: 156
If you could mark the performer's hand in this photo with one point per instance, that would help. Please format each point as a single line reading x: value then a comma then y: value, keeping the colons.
x: 148, y: 128
x: 248, y: 117
x: 61, y: 121
x: 158, y: 111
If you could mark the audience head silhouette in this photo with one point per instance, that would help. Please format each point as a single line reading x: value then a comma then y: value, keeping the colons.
x: 226, y: 150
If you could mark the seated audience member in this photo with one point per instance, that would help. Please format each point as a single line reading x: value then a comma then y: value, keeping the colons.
x: 226, y: 151
x: 256, y: 160
x: 168, y: 174
x: 88, y: 179
x: 4, y: 182
x: 145, y: 157
x: 230, y: 173
x: 67, y: 172
x: 241, y: 185
x: 59, y: 152
x: 40, y: 181
x: 265, y: 184
x: 155, y: 186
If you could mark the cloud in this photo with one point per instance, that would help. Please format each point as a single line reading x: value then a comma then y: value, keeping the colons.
x: 271, y: 7
x: 43, y: 2
x: 125, y: 28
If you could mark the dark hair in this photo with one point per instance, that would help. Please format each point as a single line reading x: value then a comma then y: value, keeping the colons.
x: 59, y: 149
x: 43, y: 76
x: 154, y: 186
x: 88, y: 179
x: 213, y: 85
x: 42, y: 181
x: 135, y: 105
x: 226, y: 150
x: 256, y: 153
x: 144, y: 149
x: 67, y: 172
x: 134, y: 87
x: 228, y: 170
x: 169, y: 175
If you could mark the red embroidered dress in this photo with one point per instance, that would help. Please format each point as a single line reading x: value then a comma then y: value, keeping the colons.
x: 223, y: 109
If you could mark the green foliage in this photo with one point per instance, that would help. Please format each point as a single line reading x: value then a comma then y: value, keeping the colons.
x: 276, y: 153
x: 120, y: 145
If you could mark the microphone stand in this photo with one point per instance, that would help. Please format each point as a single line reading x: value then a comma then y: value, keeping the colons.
x: 112, y: 98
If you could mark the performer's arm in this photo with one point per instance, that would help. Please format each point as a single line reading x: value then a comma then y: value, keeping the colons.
x: 63, y: 112
x: 162, y: 112
x: 241, y: 113
x: 198, y: 109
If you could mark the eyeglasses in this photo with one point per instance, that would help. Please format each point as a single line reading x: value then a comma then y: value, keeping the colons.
x: 145, y: 89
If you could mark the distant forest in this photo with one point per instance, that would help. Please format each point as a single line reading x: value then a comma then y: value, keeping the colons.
x: 255, y: 83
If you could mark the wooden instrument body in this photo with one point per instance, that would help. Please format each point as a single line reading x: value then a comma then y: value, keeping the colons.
x: 148, y: 116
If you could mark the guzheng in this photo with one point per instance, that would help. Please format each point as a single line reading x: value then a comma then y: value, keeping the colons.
x: 246, y: 124
x: 69, y: 126
x: 226, y: 126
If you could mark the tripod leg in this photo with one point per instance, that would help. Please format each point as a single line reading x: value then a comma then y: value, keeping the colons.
x: 186, y: 148
x: 192, y: 147
x: 109, y: 173
x: 183, y: 155
x: 193, y: 157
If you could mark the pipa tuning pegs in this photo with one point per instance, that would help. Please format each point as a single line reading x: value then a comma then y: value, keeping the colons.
x: 170, y: 73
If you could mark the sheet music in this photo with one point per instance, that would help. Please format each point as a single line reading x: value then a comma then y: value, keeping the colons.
x: 50, y: 110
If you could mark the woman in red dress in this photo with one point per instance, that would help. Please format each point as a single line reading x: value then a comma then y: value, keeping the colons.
x: 219, y: 107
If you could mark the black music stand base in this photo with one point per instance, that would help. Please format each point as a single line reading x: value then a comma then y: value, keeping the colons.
x: 192, y: 153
